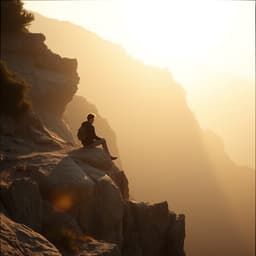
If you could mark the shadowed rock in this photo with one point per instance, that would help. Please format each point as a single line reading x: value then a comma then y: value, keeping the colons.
x: 95, y: 157
x: 106, y: 213
x: 68, y: 186
x: 148, y: 230
x: 18, y: 239
x: 22, y: 201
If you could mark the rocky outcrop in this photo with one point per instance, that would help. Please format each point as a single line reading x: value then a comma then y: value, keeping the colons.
x: 73, y: 199
x: 18, y: 239
x: 108, y: 212
x: 94, y: 157
x: 26, y: 134
x: 53, y: 79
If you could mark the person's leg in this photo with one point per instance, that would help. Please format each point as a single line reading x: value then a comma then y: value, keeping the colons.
x: 104, y: 145
x: 100, y: 142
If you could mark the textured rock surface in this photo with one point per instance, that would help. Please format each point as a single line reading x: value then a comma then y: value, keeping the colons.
x: 53, y: 79
x: 176, y: 235
x: 22, y: 201
x: 68, y: 185
x: 80, y: 199
x: 148, y: 230
x: 18, y: 239
x: 92, y: 247
x: 121, y: 181
x: 108, y: 212
x: 94, y: 157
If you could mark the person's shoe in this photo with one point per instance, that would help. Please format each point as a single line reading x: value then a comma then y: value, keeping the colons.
x: 113, y: 157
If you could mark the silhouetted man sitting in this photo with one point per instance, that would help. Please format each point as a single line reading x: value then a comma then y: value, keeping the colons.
x: 88, y: 137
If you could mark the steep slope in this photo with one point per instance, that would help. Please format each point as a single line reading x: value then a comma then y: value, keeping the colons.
x: 53, y: 79
x: 163, y: 149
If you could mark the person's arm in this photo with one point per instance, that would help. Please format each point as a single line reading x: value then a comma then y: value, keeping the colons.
x: 95, y: 136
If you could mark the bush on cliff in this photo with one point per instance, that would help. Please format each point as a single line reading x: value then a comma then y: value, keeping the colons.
x: 13, y: 17
x: 13, y: 93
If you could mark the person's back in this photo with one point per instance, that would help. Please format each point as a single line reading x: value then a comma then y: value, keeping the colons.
x: 88, y: 133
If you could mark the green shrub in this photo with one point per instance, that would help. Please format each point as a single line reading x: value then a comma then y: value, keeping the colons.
x: 13, y: 93
x: 13, y: 17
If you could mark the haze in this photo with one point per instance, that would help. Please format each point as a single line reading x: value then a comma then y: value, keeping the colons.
x: 198, y: 41
x: 163, y: 143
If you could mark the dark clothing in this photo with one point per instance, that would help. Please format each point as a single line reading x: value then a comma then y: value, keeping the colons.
x: 90, y: 134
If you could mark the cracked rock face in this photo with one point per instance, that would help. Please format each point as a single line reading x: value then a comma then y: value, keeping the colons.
x: 75, y: 200
x: 22, y: 200
x: 53, y: 79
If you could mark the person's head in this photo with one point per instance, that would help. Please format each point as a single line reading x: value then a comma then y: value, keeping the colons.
x: 90, y: 118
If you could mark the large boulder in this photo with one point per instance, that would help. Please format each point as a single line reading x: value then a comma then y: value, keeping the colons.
x: 108, y: 211
x: 114, y: 173
x: 53, y: 220
x: 106, y: 214
x: 95, y: 157
x: 94, y: 173
x: 18, y: 239
x: 67, y: 186
x: 121, y: 181
x: 22, y: 201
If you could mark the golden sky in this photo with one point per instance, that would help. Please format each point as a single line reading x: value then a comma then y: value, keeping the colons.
x: 180, y: 35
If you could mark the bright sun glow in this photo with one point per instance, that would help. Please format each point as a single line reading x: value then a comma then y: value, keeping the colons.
x: 158, y: 31
x: 180, y: 35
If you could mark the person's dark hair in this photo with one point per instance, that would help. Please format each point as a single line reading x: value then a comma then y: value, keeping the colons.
x: 90, y: 116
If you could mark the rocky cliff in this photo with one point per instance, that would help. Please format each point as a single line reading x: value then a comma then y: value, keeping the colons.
x: 56, y: 199
x: 53, y: 79
x: 73, y: 197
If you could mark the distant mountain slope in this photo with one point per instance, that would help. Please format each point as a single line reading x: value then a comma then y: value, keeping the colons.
x: 164, y: 151
x: 225, y: 95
